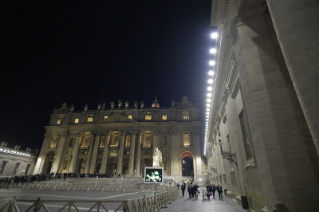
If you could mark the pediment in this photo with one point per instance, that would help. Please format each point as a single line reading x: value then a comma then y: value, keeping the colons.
x: 116, y: 118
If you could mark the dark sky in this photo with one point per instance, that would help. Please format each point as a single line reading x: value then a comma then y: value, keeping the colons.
x: 92, y: 52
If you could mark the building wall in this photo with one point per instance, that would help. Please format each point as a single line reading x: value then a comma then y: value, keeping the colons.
x: 254, y: 78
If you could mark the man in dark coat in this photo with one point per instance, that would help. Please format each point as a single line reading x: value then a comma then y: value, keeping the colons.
x: 190, y: 190
x: 219, y: 189
x: 212, y: 190
x: 183, y: 189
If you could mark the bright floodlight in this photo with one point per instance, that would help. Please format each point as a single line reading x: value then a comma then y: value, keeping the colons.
x: 214, y: 35
x: 209, y: 100
x: 208, y: 105
x: 211, y: 73
x: 210, y: 88
x: 212, y: 50
x: 212, y: 63
x: 210, y: 81
x: 209, y: 94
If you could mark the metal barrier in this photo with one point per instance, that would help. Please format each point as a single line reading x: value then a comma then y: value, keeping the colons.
x: 145, y: 204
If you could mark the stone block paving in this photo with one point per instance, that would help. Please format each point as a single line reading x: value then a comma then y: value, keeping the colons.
x: 216, y: 205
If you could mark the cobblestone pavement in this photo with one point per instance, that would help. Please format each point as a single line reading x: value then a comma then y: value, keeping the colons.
x: 197, y: 205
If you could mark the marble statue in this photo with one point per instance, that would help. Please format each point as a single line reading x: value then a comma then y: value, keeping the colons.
x: 112, y: 104
x: 120, y: 103
x: 99, y: 106
x: 126, y: 104
x: 157, y: 157
x: 72, y: 108
x: 86, y: 107
x: 173, y: 103
x: 142, y: 104
x: 135, y: 104
x: 103, y: 106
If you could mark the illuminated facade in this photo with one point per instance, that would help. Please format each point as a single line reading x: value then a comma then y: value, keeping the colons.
x: 262, y: 106
x: 121, y: 140
x: 16, y: 162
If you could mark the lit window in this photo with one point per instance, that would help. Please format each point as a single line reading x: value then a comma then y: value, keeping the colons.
x: 60, y: 119
x: 185, y: 115
x: 164, y: 117
x: 90, y: 119
x: 105, y: 117
x: 76, y: 120
x: 130, y: 117
x: 127, y: 152
x: 186, y: 139
x: 148, y: 117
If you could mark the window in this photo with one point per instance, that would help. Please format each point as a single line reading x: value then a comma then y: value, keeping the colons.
x: 27, y: 169
x: 4, y: 164
x: 164, y: 117
x: 185, y: 115
x: 186, y: 139
x: 102, y: 142
x: 60, y: 120
x: 71, y: 142
x: 244, y: 133
x: 147, y: 142
x: 105, y: 117
x: 90, y: 119
x: 128, y: 141
x: 16, y: 168
x: 76, y: 120
x: 130, y: 117
x: 148, y: 117
x: 54, y: 141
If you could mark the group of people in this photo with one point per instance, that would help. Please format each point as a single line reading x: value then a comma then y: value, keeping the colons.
x: 207, y: 190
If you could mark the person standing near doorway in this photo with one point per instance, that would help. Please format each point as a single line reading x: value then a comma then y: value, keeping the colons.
x: 183, y: 189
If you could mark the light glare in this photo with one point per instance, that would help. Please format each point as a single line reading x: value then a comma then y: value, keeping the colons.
x: 210, y: 88
x: 212, y: 63
x: 214, y: 35
x: 212, y: 50
x: 211, y: 73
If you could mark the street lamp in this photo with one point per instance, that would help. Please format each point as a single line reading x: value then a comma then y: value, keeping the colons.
x: 228, y: 155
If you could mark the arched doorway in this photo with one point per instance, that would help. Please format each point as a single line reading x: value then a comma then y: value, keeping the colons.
x: 187, y: 164
x: 47, y: 164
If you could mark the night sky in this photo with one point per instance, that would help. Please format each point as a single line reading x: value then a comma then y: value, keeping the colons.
x: 94, y: 52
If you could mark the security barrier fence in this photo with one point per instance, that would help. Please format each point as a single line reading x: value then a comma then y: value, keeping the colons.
x: 161, y: 196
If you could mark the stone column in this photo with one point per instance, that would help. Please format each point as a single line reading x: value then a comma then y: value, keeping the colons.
x: 89, y: 158
x: 132, y: 150
x: 58, y: 156
x: 120, y: 154
x: 297, y: 28
x: 138, y: 155
x: 106, y: 152
x: 75, y: 153
x: 95, y: 152
x: 41, y: 158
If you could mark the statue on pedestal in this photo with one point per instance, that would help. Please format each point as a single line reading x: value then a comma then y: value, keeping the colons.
x: 142, y: 104
x: 126, y: 104
x: 135, y: 104
x: 157, y: 157
x: 112, y: 104
x: 86, y: 107
x: 99, y: 106
x: 120, y: 103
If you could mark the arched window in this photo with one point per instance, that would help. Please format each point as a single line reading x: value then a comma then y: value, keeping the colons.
x: 86, y: 140
x: 185, y: 115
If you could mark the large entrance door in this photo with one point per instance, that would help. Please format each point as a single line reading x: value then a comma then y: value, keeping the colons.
x: 82, y: 166
x: 47, y: 164
x: 187, y: 164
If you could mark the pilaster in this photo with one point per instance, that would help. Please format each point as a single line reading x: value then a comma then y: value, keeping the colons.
x: 138, y: 154
x: 89, y: 158
x: 132, y: 151
x: 95, y: 152
x: 75, y: 153
x: 120, y: 154
x: 105, y: 154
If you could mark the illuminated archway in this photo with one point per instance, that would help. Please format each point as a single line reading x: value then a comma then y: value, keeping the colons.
x: 187, y: 164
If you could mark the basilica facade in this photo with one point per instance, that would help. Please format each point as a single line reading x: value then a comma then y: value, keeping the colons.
x: 120, y: 140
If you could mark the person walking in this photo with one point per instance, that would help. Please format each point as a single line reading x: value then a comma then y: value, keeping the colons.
x: 177, y: 186
x: 183, y: 189
x: 220, y: 191
x: 212, y: 190
x: 190, y: 190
